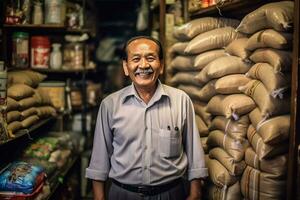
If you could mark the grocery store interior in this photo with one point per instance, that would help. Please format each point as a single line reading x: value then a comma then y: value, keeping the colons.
x: 237, y: 60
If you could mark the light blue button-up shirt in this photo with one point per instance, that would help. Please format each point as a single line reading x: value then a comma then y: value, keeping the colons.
x: 146, y: 144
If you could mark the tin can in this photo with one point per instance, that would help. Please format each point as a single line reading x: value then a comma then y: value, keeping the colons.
x: 40, y: 51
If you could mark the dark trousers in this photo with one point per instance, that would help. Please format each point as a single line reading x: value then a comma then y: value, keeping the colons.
x: 117, y: 193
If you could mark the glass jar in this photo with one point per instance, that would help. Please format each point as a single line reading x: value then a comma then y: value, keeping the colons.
x: 73, y: 56
x: 54, y: 11
x: 20, y: 52
x: 38, y: 15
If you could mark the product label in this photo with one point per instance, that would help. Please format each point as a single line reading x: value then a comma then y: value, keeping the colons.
x: 39, y: 57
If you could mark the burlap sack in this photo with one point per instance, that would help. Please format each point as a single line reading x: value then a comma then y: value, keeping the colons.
x: 229, y: 84
x: 200, y: 94
x: 29, y: 121
x: 234, y: 105
x: 270, y: 38
x: 185, y: 78
x: 183, y: 63
x: 201, y: 25
x: 231, y: 193
x: 178, y: 48
x: 11, y: 104
x: 200, y: 109
x: 13, y: 127
x: 274, y: 130
x: 221, y: 67
x: 203, y: 129
x: 19, y: 91
x: 204, y: 145
x: 281, y: 61
x: 26, y: 77
x: 13, y: 116
x: 263, y: 150
x: 258, y: 185
x: 268, y: 105
x: 235, y: 148
x: 276, y: 166
x: 214, y: 39
x: 203, y: 59
x: 238, y: 48
x: 277, y: 15
x: 219, y: 174
x: 234, y: 168
x: 275, y: 83
x: 45, y: 98
x: 236, y: 129
x: 45, y: 111
x: 27, y: 103
x: 28, y: 112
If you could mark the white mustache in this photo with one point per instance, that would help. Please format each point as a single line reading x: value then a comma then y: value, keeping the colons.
x: 143, y: 71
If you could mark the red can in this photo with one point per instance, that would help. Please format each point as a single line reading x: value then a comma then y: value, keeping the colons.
x: 40, y: 51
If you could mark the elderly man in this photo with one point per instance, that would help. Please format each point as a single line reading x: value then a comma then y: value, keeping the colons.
x: 146, y: 140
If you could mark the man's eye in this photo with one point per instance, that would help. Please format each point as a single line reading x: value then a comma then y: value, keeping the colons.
x: 135, y: 59
x: 150, y: 59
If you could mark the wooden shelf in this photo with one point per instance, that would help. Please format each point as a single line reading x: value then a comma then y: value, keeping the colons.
x: 29, y: 132
x: 231, y: 8
x: 45, y: 27
x: 62, y: 71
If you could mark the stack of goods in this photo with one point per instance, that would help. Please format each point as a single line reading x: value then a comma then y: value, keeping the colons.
x: 200, y: 42
x: 21, y: 180
x: 270, y: 43
x: 25, y: 105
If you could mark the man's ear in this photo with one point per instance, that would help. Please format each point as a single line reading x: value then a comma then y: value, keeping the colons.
x: 125, y: 68
x: 162, y: 66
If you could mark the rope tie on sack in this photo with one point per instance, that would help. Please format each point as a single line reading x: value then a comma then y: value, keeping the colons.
x: 262, y: 122
x: 224, y: 192
x: 279, y: 92
x: 227, y: 125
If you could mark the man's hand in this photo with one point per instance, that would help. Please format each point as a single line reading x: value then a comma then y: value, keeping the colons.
x: 195, y: 190
x: 98, y: 188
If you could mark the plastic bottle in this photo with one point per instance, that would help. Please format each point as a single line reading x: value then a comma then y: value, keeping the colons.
x: 56, y: 56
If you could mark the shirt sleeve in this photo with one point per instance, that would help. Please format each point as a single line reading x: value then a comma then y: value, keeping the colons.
x: 102, y: 147
x: 193, y: 146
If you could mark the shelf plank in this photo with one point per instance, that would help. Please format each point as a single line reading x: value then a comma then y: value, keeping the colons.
x: 62, y: 71
x: 29, y: 132
x: 231, y: 8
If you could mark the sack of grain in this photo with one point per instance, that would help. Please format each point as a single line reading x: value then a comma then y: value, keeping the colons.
x: 229, y: 193
x: 183, y: 63
x: 13, y: 116
x: 257, y: 185
x: 203, y: 129
x: 235, y: 148
x: 200, y: 109
x: 278, y: 15
x: 178, y: 48
x: 12, y: 104
x: 275, y: 83
x: 268, y: 105
x: 203, y: 59
x: 201, y: 25
x: 185, y: 78
x: 238, y: 48
x: 221, y: 67
x: 13, y: 127
x: 234, y: 168
x: 263, y: 150
x: 28, y: 112
x: 274, y: 130
x: 270, y: 38
x: 276, y: 166
x: 204, y: 145
x: 45, y: 111
x: 219, y: 174
x: 29, y: 121
x: 19, y: 91
x: 201, y: 94
x: 26, y: 77
x: 281, y: 61
x: 229, y: 84
x: 236, y: 129
x: 27, y: 103
x: 214, y: 39
x: 234, y: 105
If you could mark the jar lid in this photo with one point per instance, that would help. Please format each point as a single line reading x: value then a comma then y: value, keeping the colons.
x: 40, y: 40
x: 20, y: 35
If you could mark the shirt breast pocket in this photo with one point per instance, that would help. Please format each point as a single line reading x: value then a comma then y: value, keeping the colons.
x: 169, y: 143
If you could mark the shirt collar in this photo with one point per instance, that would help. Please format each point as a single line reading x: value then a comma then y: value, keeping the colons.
x: 131, y: 91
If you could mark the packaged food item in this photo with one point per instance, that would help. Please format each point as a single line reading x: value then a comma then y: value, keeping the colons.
x: 73, y: 56
x: 40, y: 51
x: 54, y: 11
x: 56, y: 91
x: 20, y: 51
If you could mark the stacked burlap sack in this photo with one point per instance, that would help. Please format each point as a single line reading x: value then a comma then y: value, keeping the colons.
x: 25, y: 104
x: 270, y: 44
x: 199, y: 42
